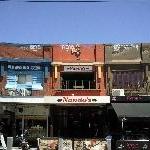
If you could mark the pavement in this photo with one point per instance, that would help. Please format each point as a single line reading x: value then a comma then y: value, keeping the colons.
x: 16, y: 148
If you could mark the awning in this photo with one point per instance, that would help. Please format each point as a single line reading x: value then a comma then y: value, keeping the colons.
x: 132, y: 109
x: 25, y: 60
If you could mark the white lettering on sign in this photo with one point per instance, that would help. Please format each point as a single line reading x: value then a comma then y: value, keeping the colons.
x: 75, y: 49
x: 71, y: 47
x: 122, y: 48
x: 23, y: 67
x: 31, y: 47
x: 78, y: 69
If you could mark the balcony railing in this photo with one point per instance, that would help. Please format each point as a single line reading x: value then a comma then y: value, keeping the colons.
x: 77, y: 92
x: 133, y: 89
x: 77, y: 84
x: 76, y: 88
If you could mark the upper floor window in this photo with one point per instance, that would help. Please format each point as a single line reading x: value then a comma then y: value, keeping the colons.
x: 24, y: 78
x: 127, y: 79
x: 78, y: 81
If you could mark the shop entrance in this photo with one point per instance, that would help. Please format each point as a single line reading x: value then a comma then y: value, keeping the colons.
x: 80, y: 121
x: 85, y: 80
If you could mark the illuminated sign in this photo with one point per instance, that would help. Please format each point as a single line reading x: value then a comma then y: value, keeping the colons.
x: 130, y: 99
x: 78, y: 69
x: 133, y: 144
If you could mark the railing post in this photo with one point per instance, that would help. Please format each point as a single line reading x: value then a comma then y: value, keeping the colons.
x: 82, y: 84
x: 75, y: 84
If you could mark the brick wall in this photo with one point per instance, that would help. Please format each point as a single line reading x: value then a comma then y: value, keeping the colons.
x: 23, y: 51
x: 89, y: 53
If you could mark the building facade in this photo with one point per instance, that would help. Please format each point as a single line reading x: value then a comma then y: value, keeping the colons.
x: 125, y: 73
x: 77, y: 75
x: 78, y: 70
x: 72, y: 90
x: 48, y: 89
x: 25, y: 79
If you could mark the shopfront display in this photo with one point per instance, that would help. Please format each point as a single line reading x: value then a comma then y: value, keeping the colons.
x: 32, y: 118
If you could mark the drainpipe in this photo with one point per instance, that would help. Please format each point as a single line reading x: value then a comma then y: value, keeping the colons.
x: 47, y: 121
x: 110, y: 79
x: 147, y: 80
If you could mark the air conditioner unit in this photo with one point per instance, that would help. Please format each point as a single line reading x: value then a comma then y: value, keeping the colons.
x: 118, y: 92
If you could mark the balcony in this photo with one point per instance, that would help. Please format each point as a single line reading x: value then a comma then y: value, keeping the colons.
x: 132, y: 90
x: 77, y: 92
x: 77, y: 88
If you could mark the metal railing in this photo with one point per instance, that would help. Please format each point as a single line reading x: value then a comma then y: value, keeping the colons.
x: 77, y: 84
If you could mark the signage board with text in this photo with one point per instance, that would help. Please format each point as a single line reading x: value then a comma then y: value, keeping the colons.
x: 78, y: 69
x: 77, y: 99
x: 133, y: 144
x: 130, y: 99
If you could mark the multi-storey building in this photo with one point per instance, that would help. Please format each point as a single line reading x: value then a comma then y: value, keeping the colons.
x: 24, y: 80
x: 146, y: 66
x: 78, y: 70
x: 64, y: 89
x: 127, y: 82
x: 78, y: 74
x: 125, y: 74
x: 56, y: 90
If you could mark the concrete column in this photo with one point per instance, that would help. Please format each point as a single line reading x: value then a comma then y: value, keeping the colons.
x: 9, y: 143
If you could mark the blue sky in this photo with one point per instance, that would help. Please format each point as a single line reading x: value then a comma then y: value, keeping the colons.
x: 116, y: 21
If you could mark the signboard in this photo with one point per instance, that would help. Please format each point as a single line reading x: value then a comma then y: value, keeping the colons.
x: 48, y: 144
x: 133, y: 144
x: 77, y: 99
x: 59, y: 99
x: 130, y: 99
x: 71, y: 144
x: 31, y: 47
x: 65, y: 144
x: 24, y: 67
x: 78, y: 69
x: 90, y: 144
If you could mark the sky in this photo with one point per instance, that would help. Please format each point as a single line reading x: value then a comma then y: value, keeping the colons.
x: 115, y: 21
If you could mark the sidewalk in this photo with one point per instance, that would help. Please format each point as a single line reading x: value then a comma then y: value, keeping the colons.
x: 16, y: 148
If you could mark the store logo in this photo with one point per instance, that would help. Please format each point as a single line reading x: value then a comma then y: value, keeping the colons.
x: 76, y: 100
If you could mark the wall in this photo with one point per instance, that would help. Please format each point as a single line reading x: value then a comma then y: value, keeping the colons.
x: 27, y: 51
x: 89, y: 53
x: 123, y: 53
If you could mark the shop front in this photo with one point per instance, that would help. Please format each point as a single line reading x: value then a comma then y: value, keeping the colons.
x: 79, y: 116
x: 32, y: 118
x: 134, y: 115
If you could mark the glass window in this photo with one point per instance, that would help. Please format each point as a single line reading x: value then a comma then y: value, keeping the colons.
x: 23, y: 78
x: 126, y: 79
